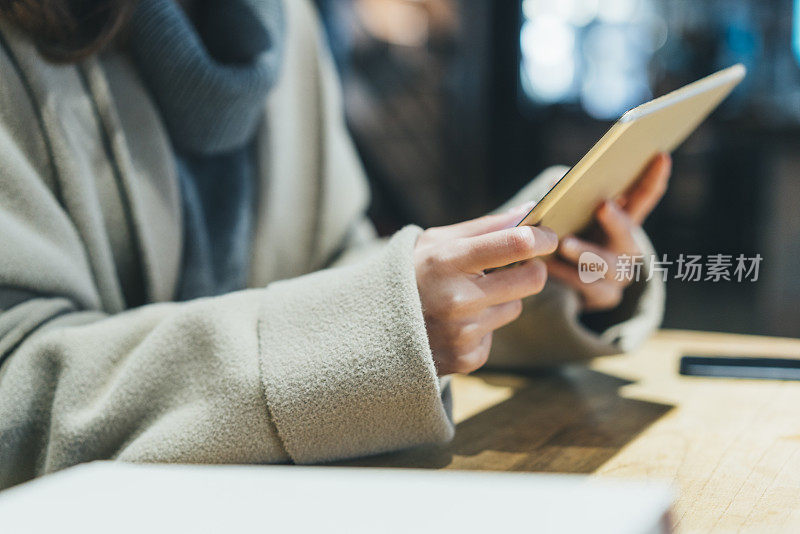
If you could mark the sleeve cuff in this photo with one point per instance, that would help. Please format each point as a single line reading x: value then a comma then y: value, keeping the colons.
x: 642, y: 309
x: 345, y: 360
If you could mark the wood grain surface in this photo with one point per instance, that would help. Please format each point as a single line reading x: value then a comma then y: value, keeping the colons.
x: 730, y: 447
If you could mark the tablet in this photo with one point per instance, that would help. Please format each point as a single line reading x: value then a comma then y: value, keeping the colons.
x: 623, y: 153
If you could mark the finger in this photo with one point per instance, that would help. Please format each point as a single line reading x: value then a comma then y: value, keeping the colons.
x: 517, y: 282
x: 504, y: 247
x: 472, y: 360
x: 619, y: 228
x: 602, y: 296
x: 498, y: 316
x: 488, y: 223
x: 565, y: 273
x: 572, y: 248
x: 646, y: 193
x: 599, y: 295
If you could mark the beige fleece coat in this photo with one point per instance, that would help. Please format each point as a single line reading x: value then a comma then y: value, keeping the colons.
x: 301, y: 367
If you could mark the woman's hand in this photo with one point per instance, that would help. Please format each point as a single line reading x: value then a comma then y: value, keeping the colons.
x: 619, y: 221
x: 463, y: 304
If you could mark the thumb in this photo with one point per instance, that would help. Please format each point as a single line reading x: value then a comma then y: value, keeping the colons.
x: 491, y: 223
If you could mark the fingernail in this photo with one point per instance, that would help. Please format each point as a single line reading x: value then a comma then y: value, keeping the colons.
x: 550, y: 233
x: 569, y: 244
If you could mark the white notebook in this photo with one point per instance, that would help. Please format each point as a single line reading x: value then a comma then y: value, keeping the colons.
x: 112, y: 497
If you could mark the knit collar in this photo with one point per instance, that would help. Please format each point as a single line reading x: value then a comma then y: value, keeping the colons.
x: 209, y: 75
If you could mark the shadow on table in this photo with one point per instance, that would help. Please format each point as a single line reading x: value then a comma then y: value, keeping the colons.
x: 567, y: 421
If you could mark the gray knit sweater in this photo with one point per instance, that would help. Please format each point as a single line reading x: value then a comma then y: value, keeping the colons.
x: 209, y: 72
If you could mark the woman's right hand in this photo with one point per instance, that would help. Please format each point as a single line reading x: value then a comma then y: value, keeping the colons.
x: 461, y: 303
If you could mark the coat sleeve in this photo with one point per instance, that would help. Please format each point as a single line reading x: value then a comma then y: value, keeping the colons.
x: 330, y: 365
x: 551, y: 330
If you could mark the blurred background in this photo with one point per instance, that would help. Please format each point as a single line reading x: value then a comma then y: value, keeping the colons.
x: 456, y: 104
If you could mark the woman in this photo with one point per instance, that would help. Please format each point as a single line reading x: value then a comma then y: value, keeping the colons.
x: 170, y: 176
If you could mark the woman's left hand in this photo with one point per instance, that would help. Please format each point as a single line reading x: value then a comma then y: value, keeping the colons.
x: 619, y: 221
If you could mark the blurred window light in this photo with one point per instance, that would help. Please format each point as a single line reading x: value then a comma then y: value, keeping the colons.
x: 548, y: 83
x: 592, y: 52
x: 650, y: 28
x: 583, y: 12
x: 606, y: 94
x: 605, y: 45
x: 796, y: 31
x: 618, y: 11
x: 578, y: 13
x: 547, y: 40
x: 548, y: 58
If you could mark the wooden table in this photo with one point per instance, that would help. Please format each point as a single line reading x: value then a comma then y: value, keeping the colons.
x: 730, y: 447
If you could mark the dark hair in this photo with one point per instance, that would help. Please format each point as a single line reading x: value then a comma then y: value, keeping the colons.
x: 67, y: 31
